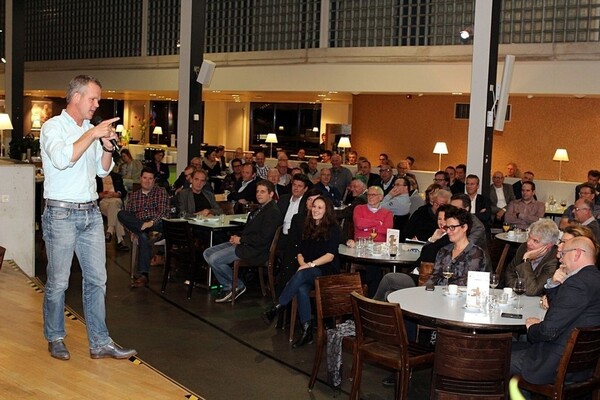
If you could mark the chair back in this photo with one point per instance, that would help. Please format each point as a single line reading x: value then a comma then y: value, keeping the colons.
x: 273, y: 248
x: 179, y: 238
x: 380, y: 321
x: 425, y: 271
x: 2, y: 253
x: 332, y: 295
x: 582, y: 353
x: 470, y: 365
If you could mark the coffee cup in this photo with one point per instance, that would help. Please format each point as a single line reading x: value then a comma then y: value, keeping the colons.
x: 453, y: 289
x: 508, y: 291
x: 510, y: 234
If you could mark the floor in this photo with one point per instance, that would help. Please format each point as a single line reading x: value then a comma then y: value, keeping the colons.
x: 216, y: 350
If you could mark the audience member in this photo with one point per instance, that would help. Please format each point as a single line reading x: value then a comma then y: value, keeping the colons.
x: 512, y: 171
x: 284, y: 173
x: 313, y: 171
x: 461, y: 172
x: 233, y: 178
x: 587, y: 192
x: 386, y: 174
x: 340, y: 176
x: 248, y: 158
x: 527, y: 177
x: 244, y: 191
x: 291, y: 204
x: 239, y: 154
x: 593, y: 179
x: 327, y: 190
x: 455, y: 186
x: 358, y: 189
x: 398, y: 202
x: 251, y: 245
x: 402, y: 171
x: 411, y: 162
x: 526, y: 210
x: 212, y: 165
x: 443, y: 179
x: 261, y: 168
x: 352, y: 157
x: 280, y: 190
x: 535, y: 260
x: 480, y: 204
x: 317, y: 256
x: 461, y: 254
x: 111, y: 193
x: 501, y: 194
x: 130, y: 169
x: 326, y: 156
x: 423, y: 222
x: 142, y: 216
x: 384, y: 158
x: 161, y: 169
x: 583, y: 215
x: 220, y: 156
x: 184, y: 179
x: 477, y: 233
x: 197, y: 199
x: 301, y: 155
x: 364, y: 170
x: 574, y: 301
x: 196, y: 162
x: 416, y: 200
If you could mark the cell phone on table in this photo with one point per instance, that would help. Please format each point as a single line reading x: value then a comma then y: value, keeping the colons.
x: 430, y: 287
x: 509, y: 315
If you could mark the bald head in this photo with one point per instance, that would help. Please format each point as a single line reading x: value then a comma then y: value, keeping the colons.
x: 577, y: 253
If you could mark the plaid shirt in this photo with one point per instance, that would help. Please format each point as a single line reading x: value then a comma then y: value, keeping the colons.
x: 149, y: 207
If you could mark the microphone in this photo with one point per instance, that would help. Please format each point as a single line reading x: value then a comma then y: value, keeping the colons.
x: 96, y: 121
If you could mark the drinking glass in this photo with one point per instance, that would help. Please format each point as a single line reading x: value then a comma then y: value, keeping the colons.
x: 373, y: 233
x: 494, y: 281
x: 519, y: 289
x: 447, y: 272
x: 506, y: 227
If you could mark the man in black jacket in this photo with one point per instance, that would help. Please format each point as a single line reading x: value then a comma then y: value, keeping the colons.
x: 252, y: 245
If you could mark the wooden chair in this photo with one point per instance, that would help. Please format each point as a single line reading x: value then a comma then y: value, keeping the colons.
x: 2, y: 253
x: 425, y: 271
x: 381, y: 339
x: 582, y: 353
x: 270, y: 265
x: 180, y: 246
x: 332, y: 298
x: 471, y: 366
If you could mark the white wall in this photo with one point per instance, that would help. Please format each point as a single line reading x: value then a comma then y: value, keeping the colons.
x: 17, y: 213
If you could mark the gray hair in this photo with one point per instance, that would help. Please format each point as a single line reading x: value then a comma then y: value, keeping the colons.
x: 546, y: 230
x: 378, y: 189
x: 78, y: 85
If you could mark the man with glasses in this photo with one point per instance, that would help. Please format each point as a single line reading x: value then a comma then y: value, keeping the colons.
x: 593, y: 179
x: 501, y: 194
x: 386, y: 182
x: 443, y: 179
x: 526, y: 210
x: 583, y: 215
x: 398, y: 202
x: 586, y: 191
x: 232, y: 179
x: 423, y: 222
x: 574, y: 303
x: 535, y: 260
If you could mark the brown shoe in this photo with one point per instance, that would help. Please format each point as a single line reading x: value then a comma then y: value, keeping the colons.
x: 141, y: 281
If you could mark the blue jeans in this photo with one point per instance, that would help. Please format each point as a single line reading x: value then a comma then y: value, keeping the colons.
x: 134, y: 225
x: 300, y: 286
x: 219, y: 258
x: 81, y: 231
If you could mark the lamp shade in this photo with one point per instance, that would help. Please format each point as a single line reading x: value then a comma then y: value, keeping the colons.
x: 119, y: 128
x: 344, y: 142
x: 157, y: 130
x: 271, y: 138
x: 36, y: 124
x: 561, y: 155
x: 440, y: 148
x: 5, y: 122
x: 315, y: 129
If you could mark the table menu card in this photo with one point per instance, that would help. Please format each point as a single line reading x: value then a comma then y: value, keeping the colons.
x: 478, y: 286
x: 393, y: 241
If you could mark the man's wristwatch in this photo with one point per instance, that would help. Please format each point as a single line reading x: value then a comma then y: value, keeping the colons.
x: 312, y: 264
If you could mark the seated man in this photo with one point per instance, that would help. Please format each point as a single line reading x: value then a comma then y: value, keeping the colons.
x: 587, y: 192
x: 526, y: 210
x: 574, y: 303
x: 244, y: 192
x: 386, y: 175
x: 327, y: 189
x: 480, y: 204
x: 398, y: 202
x: 593, y: 179
x: 143, y: 216
x: 583, y: 215
x: 184, y: 179
x: 312, y: 170
x: 111, y: 193
x: 364, y: 169
x: 501, y: 194
x: 535, y: 260
x: 280, y: 190
x: 197, y: 200
x: 252, y: 245
x: 234, y: 177
x: 517, y: 186
x: 358, y: 189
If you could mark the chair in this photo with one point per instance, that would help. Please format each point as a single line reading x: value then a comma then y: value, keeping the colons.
x: 425, y: 271
x: 2, y: 253
x: 180, y: 245
x: 332, y: 298
x: 381, y: 339
x: 582, y: 353
x: 471, y: 366
x: 270, y: 265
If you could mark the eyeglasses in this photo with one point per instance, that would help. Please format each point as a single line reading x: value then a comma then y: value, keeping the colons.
x: 373, y: 194
x: 580, y: 208
x: 385, y: 170
x: 585, y: 193
x: 560, y: 241
x: 562, y: 253
x: 451, y: 228
x: 439, y: 179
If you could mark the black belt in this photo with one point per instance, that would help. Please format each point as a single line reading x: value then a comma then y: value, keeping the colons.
x: 66, y: 204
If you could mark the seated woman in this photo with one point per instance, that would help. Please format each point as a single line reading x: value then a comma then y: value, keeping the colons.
x: 130, y: 169
x: 317, y: 255
x: 463, y: 255
x: 536, y: 259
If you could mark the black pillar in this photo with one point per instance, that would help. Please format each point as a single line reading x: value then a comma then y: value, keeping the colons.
x: 15, y: 63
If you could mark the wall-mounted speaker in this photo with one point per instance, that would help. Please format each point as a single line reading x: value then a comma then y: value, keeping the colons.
x: 206, y: 73
x: 503, y: 92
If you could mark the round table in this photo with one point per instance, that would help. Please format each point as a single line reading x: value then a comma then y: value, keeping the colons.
x: 408, y: 255
x: 437, y: 309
